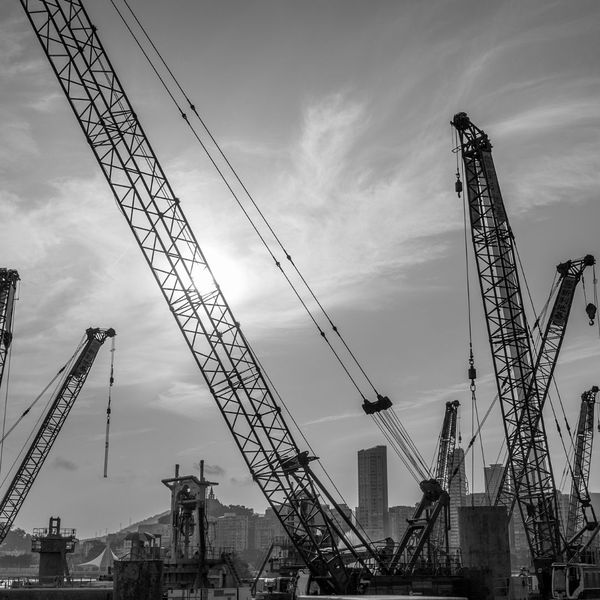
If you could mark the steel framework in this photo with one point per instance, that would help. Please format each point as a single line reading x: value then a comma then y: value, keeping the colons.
x: 8, y: 289
x: 518, y: 389
x: 219, y: 347
x: 579, y: 499
x: 570, y: 273
x: 49, y: 429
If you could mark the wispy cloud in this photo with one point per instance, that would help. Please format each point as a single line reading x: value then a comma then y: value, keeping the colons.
x: 189, y: 399
x: 211, y: 470
x: 64, y: 464
x: 548, y: 116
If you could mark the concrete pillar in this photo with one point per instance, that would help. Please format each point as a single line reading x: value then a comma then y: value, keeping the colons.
x: 485, y: 550
x: 137, y: 580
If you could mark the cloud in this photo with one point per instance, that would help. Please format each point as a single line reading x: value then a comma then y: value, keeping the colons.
x: 189, y: 399
x: 64, y: 464
x: 211, y: 470
x: 548, y: 117
x: 332, y: 418
x: 331, y: 128
x: 18, y: 143
x: 242, y: 481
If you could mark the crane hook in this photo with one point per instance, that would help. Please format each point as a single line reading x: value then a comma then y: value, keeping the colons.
x: 590, y: 309
x: 458, y: 187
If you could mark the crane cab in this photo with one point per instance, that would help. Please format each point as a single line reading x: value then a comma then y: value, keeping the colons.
x: 577, y: 580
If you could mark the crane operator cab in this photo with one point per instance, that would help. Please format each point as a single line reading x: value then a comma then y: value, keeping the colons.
x: 577, y: 580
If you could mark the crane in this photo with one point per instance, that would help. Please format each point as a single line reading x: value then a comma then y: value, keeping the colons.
x: 581, y: 516
x: 434, y: 502
x: 569, y: 275
x: 223, y: 354
x: 8, y: 289
x: 50, y: 427
x: 512, y: 354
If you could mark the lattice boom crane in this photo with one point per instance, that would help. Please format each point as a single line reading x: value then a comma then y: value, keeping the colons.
x: 579, y: 500
x: 518, y: 390
x: 154, y: 214
x: 50, y: 428
x: 570, y: 273
x: 8, y: 289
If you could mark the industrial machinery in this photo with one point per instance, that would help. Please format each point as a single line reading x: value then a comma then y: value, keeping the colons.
x: 8, y: 289
x: 50, y: 427
x: 53, y: 544
x: 522, y: 382
x: 431, y: 514
x: 581, y: 516
x: 569, y: 275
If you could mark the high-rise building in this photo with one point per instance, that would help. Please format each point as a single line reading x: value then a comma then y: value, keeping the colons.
x: 231, y: 532
x: 372, y: 511
x: 398, y: 520
x: 458, y: 496
x: 493, y: 476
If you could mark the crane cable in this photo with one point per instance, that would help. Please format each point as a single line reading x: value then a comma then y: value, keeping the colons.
x: 232, y: 191
x: 472, y: 371
x: 108, y: 408
x: 402, y: 443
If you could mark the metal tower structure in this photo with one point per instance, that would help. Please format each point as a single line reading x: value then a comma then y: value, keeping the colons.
x: 570, y: 273
x: 512, y: 354
x: 8, y: 290
x: 579, y: 499
x: 50, y: 428
x: 232, y: 373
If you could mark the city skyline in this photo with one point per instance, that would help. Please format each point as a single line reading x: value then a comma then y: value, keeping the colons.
x: 337, y: 117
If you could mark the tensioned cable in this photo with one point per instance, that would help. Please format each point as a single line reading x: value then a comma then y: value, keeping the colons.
x: 253, y: 225
x: 460, y: 173
x: 224, y: 179
x: 248, y: 194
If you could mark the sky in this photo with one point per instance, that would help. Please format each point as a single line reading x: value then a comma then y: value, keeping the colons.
x: 336, y: 116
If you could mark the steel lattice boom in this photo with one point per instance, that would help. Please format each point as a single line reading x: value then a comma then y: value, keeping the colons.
x: 518, y: 390
x: 203, y: 315
x: 570, y: 274
x: 426, y: 524
x: 50, y: 428
x: 579, y: 500
x: 8, y: 288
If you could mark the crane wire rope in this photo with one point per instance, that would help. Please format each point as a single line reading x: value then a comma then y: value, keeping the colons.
x: 249, y: 195
x: 227, y: 184
x: 472, y: 373
x: 26, y: 444
x: 401, y: 444
x: 224, y: 177
x: 108, y: 407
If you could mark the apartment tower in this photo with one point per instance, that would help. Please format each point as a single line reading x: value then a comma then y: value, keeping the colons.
x: 372, y: 512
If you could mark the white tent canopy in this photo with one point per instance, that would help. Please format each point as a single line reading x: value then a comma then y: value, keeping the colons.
x: 103, y: 561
